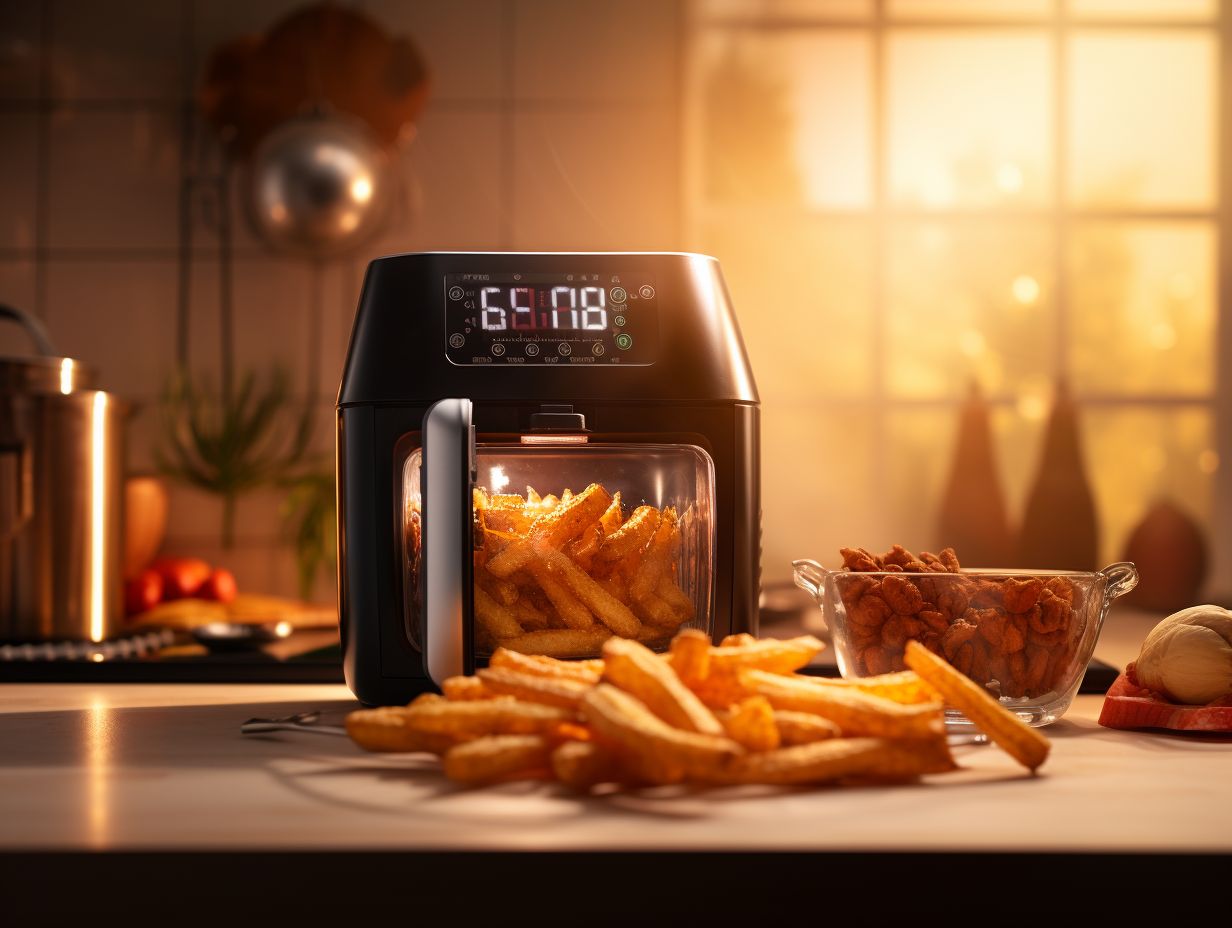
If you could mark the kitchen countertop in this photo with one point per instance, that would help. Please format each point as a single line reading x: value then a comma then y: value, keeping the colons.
x: 143, y: 767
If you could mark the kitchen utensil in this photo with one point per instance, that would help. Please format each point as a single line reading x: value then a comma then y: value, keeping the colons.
x: 318, y: 185
x: 1032, y: 660
x: 300, y: 721
x: 131, y: 648
x: 557, y: 371
x: 61, y: 497
x: 233, y: 637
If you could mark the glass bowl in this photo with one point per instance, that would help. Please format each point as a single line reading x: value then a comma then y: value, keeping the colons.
x: 1025, y: 635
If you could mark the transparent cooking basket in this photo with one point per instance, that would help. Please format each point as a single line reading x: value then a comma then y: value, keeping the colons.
x: 572, y: 542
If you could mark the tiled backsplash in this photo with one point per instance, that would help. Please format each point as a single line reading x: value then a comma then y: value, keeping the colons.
x: 552, y: 125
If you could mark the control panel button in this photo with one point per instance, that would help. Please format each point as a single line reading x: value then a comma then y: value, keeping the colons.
x: 624, y: 341
x: 532, y: 350
x: 498, y: 349
x: 564, y: 348
x: 646, y: 292
x: 620, y: 322
x: 618, y: 294
x: 456, y: 293
x: 597, y: 349
x: 457, y: 340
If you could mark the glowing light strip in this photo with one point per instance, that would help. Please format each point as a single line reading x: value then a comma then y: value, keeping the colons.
x: 66, y: 376
x: 555, y: 439
x: 98, y: 515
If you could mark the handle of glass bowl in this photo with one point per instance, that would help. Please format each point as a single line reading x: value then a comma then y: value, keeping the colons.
x: 1121, y: 577
x: 810, y: 577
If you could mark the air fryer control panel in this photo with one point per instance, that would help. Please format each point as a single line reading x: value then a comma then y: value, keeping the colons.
x: 557, y: 316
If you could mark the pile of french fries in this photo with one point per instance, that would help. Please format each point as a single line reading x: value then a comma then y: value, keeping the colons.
x: 700, y: 714
x: 559, y: 575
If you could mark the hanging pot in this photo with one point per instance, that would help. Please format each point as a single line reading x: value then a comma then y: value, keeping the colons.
x: 319, y: 185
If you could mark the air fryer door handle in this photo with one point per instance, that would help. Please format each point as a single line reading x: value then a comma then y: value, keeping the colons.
x: 447, y: 477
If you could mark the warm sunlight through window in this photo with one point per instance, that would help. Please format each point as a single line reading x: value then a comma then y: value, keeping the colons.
x: 912, y: 196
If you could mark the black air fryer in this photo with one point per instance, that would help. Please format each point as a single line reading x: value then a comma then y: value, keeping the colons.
x: 536, y: 451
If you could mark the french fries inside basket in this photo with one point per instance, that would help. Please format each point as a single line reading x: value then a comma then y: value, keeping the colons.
x: 558, y: 575
x: 699, y: 714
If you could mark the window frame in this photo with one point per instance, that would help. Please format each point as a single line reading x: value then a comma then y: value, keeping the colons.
x: 1062, y: 217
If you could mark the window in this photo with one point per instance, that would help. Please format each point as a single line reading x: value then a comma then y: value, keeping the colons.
x: 909, y: 196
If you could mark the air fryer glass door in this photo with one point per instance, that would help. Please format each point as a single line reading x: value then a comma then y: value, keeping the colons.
x: 575, y: 542
x: 571, y: 542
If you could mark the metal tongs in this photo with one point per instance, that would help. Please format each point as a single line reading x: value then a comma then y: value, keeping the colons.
x: 301, y: 721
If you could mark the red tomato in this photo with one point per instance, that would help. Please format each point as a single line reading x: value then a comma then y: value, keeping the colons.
x: 220, y: 586
x: 144, y: 591
x: 182, y: 576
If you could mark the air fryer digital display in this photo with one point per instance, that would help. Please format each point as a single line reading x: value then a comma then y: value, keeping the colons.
x: 561, y: 318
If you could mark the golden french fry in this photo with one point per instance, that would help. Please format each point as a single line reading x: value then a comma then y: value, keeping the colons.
x: 610, y: 611
x: 499, y: 621
x: 690, y: 655
x: 507, y: 501
x: 657, y: 557
x: 540, y: 665
x: 654, y: 750
x: 635, y: 669
x: 632, y: 536
x: 740, y: 640
x: 553, y: 529
x: 502, y: 715
x: 530, y: 616
x: 835, y: 759
x: 493, y: 543
x: 1010, y: 733
x: 904, y: 686
x: 558, y: 691
x: 768, y: 654
x: 582, y: 549
x: 654, y: 611
x: 751, y: 724
x: 498, y: 757
x: 655, y: 637
x: 856, y: 713
x: 721, y: 691
x: 503, y: 591
x: 676, y: 598
x: 514, y: 522
x: 912, y: 757
x: 613, y: 516
x: 581, y: 765
x: 559, y: 642
x: 385, y: 729
x: 803, y: 727
x: 615, y: 585
x: 461, y: 689
x: 572, y: 611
